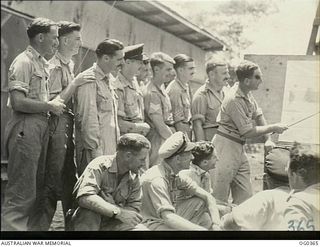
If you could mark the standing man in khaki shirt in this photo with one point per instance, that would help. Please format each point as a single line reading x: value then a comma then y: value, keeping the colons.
x: 96, y: 122
x: 27, y: 133
x: 130, y: 98
x: 207, y: 100
x: 61, y: 169
x: 238, y: 111
x: 179, y: 93
x: 157, y: 103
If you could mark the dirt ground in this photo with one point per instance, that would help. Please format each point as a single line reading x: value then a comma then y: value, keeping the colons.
x: 255, y: 155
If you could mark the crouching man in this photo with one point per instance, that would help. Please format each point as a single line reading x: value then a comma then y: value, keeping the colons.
x: 109, y: 191
x: 204, y: 160
x: 161, y: 186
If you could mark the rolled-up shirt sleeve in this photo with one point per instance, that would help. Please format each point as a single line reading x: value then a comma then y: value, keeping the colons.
x: 239, y: 117
x: 199, y: 107
x: 20, y: 76
x: 157, y: 189
x: 89, y: 182
x: 88, y: 116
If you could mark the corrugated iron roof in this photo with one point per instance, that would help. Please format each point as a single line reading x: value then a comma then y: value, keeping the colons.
x: 161, y: 16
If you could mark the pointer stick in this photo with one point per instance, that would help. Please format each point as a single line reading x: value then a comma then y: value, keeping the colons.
x: 303, y: 119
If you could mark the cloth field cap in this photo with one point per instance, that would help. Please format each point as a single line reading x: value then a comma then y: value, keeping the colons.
x: 134, y: 52
x: 177, y: 143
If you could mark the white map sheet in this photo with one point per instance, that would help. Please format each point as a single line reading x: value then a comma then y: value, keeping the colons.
x: 301, y: 99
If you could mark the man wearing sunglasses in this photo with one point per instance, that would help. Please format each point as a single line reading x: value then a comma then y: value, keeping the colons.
x: 237, y: 111
x: 161, y: 186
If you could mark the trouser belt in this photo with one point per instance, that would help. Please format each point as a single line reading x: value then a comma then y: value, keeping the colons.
x: 231, y: 138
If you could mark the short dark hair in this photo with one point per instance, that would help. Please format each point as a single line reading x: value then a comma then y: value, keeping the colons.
x: 245, y: 70
x: 159, y: 58
x: 39, y: 25
x: 303, y: 158
x: 66, y: 27
x: 133, y: 142
x: 181, y: 60
x: 108, y: 47
x: 213, y: 63
x: 202, y: 151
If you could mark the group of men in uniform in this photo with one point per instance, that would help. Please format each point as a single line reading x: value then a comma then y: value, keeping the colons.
x: 126, y: 124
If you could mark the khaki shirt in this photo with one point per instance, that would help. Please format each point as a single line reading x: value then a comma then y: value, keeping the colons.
x: 263, y: 211
x: 130, y: 99
x: 237, y: 113
x: 61, y: 75
x: 101, y: 178
x: 96, y: 114
x: 29, y: 74
x: 206, y: 105
x: 199, y: 176
x: 157, y: 101
x: 180, y: 99
x: 303, y: 210
x: 160, y: 187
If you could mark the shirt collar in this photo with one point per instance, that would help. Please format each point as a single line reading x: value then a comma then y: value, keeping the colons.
x: 208, y: 87
x: 155, y: 88
x: 197, y: 169
x: 240, y: 94
x: 168, y: 169
x: 35, y: 54
x: 114, y: 166
x: 125, y: 81
x: 62, y: 58
x: 114, y: 169
x: 182, y: 85
x: 99, y: 73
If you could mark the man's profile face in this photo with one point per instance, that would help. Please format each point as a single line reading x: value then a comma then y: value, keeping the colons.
x: 166, y: 72
x: 138, y: 161
x: 255, y: 80
x: 134, y: 65
x: 209, y: 163
x: 188, y: 70
x: 143, y: 72
x: 116, y: 60
x: 50, y: 41
x: 74, y: 41
x: 221, y: 76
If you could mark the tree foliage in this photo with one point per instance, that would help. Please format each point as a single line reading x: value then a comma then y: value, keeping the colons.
x: 228, y: 20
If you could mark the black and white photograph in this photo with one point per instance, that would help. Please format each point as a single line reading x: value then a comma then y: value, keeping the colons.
x: 177, y: 119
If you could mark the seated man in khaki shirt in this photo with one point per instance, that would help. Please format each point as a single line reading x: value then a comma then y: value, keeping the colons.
x: 161, y: 185
x: 109, y: 190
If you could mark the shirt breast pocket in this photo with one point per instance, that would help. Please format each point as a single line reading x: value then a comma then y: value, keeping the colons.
x: 186, y: 106
x: 104, y: 104
x: 213, y: 110
x: 131, y: 106
x: 38, y: 88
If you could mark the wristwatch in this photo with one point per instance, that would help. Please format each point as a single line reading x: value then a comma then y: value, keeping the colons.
x: 115, y: 213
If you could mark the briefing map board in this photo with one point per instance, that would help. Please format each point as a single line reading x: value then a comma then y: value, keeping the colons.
x: 301, y: 99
